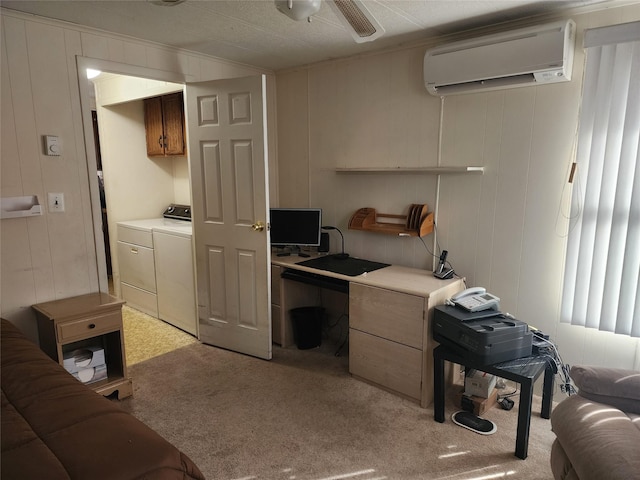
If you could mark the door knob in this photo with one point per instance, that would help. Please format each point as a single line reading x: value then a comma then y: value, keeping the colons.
x: 258, y: 227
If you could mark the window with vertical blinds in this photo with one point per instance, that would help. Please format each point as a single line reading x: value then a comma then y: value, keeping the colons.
x: 602, y: 270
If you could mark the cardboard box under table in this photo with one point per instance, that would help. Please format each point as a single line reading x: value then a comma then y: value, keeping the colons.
x: 474, y: 404
x: 479, y: 384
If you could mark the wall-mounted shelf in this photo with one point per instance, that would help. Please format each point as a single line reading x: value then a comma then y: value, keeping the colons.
x: 15, y: 207
x: 423, y: 170
x: 417, y: 223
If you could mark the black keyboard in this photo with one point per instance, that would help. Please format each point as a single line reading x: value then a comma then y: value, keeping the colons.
x: 322, y: 281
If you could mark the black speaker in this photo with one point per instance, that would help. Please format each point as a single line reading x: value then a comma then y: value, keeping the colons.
x: 324, y: 243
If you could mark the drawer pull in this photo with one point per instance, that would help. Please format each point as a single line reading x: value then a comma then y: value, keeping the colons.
x: 92, y: 325
x: 134, y: 250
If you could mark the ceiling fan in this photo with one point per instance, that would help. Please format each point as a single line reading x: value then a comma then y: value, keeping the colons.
x: 352, y: 13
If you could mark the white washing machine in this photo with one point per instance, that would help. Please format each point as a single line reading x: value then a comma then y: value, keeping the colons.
x: 175, y: 276
x: 156, y: 263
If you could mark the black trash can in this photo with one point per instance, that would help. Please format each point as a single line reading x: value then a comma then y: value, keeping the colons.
x: 307, y: 326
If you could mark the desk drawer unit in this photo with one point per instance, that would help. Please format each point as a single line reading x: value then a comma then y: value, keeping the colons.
x: 392, y: 315
x: 386, y: 338
x: 394, y: 366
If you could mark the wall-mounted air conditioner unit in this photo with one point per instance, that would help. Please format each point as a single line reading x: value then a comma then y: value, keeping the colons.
x: 528, y: 56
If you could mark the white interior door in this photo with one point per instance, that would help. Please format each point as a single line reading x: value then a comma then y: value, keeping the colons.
x: 227, y: 142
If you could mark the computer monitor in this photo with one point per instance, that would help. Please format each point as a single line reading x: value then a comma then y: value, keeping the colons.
x: 295, y: 226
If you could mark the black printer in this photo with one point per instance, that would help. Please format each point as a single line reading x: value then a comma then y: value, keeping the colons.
x: 485, y: 337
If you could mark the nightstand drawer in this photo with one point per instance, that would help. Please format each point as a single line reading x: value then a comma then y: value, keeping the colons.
x: 88, y: 327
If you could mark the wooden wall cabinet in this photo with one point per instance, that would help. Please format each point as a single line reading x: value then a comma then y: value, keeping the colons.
x: 92, y: 320
x: 164, y: 125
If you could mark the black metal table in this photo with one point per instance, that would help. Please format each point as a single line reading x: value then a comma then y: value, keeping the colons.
x: 524, y: 371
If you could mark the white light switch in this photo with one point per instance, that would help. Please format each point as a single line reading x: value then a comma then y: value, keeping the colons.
x: 52, y: 145
x: 56, y: 202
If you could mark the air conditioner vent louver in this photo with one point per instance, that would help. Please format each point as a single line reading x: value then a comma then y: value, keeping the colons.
x: 529, y: 56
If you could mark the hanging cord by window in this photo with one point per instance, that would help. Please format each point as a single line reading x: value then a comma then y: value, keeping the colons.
x: 573, y: 178
x: 562, y: 369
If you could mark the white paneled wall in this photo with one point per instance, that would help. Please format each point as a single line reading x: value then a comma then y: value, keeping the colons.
x: 504, y: 230
x: 54, y: 256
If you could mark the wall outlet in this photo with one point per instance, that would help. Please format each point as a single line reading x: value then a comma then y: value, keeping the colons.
x: 56, y: 202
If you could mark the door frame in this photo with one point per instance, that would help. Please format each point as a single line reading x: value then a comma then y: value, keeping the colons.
x: 108, y: 66
x: 84, y: 86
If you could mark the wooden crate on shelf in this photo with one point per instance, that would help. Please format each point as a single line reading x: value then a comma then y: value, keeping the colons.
x: 418, y: 222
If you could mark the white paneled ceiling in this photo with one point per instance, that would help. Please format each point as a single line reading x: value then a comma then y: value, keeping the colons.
x: 255, y: 33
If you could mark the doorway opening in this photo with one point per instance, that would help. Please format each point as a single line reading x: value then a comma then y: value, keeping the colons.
x: 237, y: 110
x: 118, y: 146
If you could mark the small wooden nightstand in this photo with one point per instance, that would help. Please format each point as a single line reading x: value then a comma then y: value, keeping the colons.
x: 93, y: 320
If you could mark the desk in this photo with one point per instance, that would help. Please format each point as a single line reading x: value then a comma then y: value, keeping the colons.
x: 390, y: 315
x: 524, y: 371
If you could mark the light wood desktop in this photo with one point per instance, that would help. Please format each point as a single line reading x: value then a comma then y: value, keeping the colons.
x: 390, y: 315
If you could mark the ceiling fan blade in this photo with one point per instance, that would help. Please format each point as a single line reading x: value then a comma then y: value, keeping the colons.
x: 361, y: 23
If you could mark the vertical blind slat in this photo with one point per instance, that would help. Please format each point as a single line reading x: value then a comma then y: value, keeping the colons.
x: 602, y: 269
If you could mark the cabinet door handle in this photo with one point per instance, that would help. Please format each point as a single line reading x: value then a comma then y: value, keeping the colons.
x: 134, y: 250
x: 160, y: 141
x: 92, y: 325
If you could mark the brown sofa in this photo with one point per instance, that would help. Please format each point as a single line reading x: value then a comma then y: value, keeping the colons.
x: 598, y: 430
x: 54, y: 427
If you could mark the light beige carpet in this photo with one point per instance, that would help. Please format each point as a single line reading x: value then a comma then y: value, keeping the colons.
x: 302, y: 416
x: 147, y: 337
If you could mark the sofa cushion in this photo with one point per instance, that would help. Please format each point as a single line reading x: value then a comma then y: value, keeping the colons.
x: 616, y: 387
x: 599, y: 440
x: 560, y: 464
